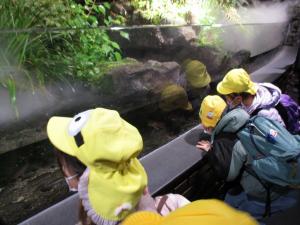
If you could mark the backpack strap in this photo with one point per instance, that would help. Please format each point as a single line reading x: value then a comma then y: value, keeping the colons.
x: 251, y: 129
x: 161, y: 204
x: 282, y: 112
x: 255, y: 112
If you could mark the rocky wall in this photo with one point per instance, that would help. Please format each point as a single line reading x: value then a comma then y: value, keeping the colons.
x: 293, y: 36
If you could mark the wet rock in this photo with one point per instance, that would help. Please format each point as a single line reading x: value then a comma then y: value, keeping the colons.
x: 155, y: 38
x: 238, y: 59
x: 138, y: 85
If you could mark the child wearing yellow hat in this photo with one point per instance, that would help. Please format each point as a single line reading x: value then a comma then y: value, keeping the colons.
x: 228, y: 157
x: 114, y: 182
x: 255, y: 98
x: 202, y: 212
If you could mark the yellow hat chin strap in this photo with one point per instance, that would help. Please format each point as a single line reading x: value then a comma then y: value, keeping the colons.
x: 79, y: 139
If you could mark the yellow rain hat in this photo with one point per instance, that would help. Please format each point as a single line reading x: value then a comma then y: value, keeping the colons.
x: 211, y: 110
x: 201, y: 212
x: 196, y: 74
x: 174, y: 97
x: 236, y: 81
x: 108, y: 146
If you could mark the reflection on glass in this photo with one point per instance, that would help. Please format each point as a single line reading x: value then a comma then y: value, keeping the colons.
x: 68, y: 58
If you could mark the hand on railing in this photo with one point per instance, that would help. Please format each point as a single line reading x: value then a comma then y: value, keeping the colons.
x: 204, y: 145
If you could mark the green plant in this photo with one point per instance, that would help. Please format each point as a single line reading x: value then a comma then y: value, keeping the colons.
x: 90, y: 46
x: 204, y: 13
x: 157, y: 11
x: 37, y: 56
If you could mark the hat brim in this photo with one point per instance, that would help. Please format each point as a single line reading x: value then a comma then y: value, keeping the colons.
x: 226, y: 91
x: 222, y: 90
x: 57, y: 130
x: 253, y: 89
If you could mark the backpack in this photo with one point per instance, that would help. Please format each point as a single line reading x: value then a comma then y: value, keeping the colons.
x: 290, y: 113
x: 274, y: 152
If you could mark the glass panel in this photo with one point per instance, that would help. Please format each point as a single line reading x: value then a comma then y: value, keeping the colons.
x: 56, y: 63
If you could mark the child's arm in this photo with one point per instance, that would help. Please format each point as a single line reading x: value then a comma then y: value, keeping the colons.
x: 68, y: 169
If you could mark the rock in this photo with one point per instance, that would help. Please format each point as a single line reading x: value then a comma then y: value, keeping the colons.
x: 120, y: 8
x: 141, y: 84
x: 155, y: 38
x: 237, y: 60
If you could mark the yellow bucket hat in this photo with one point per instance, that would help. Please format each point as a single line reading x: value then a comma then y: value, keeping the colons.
x: 201, y: 212
x: 108, y: 146
x: 236, y: 81
x: 196, y: 74
x: 211, y: 110
x: 174, y: 97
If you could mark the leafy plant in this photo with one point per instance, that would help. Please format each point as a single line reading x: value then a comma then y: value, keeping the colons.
x: 204, y: 13
x: 158, y: 11
x: 31, y: 53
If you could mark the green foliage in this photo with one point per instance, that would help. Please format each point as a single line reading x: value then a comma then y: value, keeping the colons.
x: 203, y: 12
x: 158, y: 11
x: 89, y: 47
x: 33, y: 57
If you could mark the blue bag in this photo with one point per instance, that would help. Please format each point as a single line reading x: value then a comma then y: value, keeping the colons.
x: 275, y: 152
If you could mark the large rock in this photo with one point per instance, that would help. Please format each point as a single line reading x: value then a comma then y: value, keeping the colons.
x: 169, y: 44
x: 132, y: 86
x: 139, y: 85
x: 155, y: 38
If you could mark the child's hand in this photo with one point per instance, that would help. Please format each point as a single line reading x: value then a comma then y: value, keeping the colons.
x: 72, y: 182
x: 204, y: 145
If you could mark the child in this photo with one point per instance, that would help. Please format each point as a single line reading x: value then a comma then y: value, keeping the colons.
x: 228, y: 157
x: 114, y: 182
x: 254, y: 98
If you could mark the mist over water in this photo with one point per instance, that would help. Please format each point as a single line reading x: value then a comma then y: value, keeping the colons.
x: 266, y: 13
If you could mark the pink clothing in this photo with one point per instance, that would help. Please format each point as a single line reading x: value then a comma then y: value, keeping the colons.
x: 167, y: 203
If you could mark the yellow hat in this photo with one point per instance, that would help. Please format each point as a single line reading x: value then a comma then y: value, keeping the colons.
x: 236, y: 81
x: 196, y: 74
x: 202, y: 212
x: 174, y: 97
x: 108, y: 146
x: 211, y: 110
